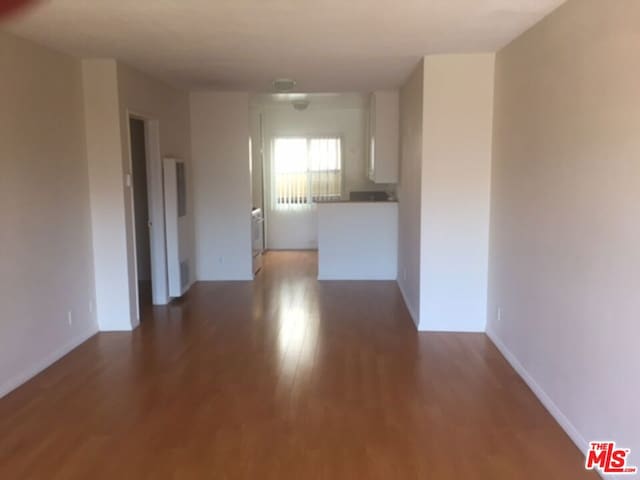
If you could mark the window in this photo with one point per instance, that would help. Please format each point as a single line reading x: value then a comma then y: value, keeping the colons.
x: 306, y: 170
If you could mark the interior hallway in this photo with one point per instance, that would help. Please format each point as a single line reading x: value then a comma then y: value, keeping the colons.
x: 284, y: 377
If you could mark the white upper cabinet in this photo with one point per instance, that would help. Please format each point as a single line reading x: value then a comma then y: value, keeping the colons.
x: 384, y: 127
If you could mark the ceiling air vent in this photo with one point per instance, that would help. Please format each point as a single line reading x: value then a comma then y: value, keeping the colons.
x: 283, y: 85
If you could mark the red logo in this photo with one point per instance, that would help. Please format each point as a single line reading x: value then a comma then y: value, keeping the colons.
x: 608, y: 459
x: 12, y: 6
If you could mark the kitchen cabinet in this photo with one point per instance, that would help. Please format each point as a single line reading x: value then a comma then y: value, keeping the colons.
x: 384, y: 136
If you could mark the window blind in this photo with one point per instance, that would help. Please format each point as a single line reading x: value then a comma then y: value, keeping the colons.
x: 306, y: 170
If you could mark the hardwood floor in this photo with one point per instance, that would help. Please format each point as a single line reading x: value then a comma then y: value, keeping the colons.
x: 282, y: 378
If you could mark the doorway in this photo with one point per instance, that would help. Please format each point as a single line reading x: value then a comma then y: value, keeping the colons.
x: 147, y: 220
x: 141, y: 209
x: 302, y: 171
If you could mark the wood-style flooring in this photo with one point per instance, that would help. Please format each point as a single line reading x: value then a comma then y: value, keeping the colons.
x: 282, y: 378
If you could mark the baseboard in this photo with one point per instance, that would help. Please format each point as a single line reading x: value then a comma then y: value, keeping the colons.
x: 240, y: 278
x: 127, y: 327
x: 545, y: 399
x: 412, y: 313
x: 46, y: 362
x: 337, y: 278
x: 438, y: 329
x: 185, y: 290
x: 548, y: 403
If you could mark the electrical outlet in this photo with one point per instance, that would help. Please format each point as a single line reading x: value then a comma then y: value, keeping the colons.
x: 499, y: 314
x: 70, y: 317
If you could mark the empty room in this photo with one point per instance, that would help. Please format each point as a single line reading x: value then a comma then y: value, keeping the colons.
x: 320, y: 240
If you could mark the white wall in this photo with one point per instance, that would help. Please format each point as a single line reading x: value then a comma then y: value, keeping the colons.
x: 565, y: 229
x: 46, y: 267
x: 409, y: 188
x: 446, y: 108
x: 456, y: 171
x: 357, y: 241
x: 222, y: 185
x: 106, y: 178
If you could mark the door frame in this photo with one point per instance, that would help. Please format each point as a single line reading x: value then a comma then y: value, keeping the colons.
x: 155, y: 193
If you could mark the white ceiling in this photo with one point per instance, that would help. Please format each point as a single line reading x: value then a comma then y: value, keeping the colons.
x: 325, y: 45
x: 317, y: 100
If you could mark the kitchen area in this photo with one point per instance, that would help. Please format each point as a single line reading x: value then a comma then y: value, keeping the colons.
x: 324, y: 174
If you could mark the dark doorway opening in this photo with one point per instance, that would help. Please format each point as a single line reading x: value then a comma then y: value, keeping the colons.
x: 141, y: 212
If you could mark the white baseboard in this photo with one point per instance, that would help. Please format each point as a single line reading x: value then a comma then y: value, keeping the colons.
x: 229, y: 278
x: 414, y: 315
x: 349, y: 278
x: 440, y: 329
x: 545, y: 399
x: 125, y: 327
x: 34, y: 369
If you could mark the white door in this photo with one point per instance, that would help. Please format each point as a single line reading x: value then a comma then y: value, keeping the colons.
x: 301, y: 171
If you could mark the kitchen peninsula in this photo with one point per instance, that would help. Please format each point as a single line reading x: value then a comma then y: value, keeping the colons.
x: 357, y: 240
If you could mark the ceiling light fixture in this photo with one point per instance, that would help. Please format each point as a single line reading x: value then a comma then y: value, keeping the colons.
x: 300, y: 104
x: 283, y: 85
